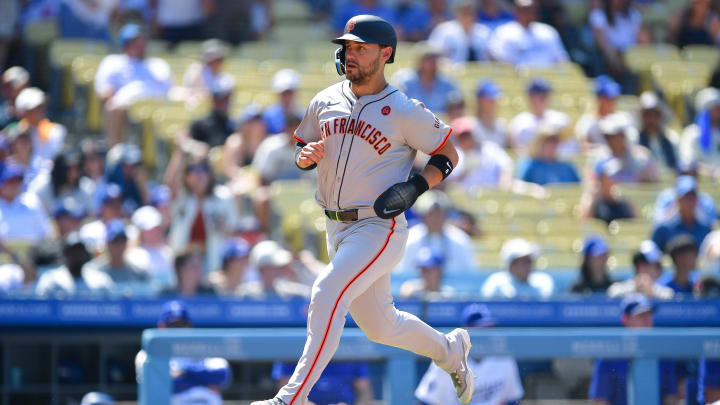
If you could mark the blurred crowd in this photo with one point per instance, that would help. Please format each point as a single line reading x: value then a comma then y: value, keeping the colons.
x: 82, y: 214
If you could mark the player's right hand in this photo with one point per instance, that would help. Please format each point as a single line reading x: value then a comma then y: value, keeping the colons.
x: 311, y: 154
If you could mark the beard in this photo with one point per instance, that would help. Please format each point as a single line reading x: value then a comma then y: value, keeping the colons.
x: 362, y: 74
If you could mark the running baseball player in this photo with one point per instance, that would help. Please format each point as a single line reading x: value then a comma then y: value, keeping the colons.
x: 362, y: 135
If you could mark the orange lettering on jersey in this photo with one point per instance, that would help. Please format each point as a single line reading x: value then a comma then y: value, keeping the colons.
x: 335, y: 125
x: 326, y: 129
x: 343, y: 121
x: 384, y: 148
x: 376, y: 146
x: 362, y: 134
x: 359, y: 127
x: 372, y: 136
x: 351, y: 126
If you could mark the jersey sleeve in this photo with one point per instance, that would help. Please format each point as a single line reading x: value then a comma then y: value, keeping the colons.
x: 600, y: 385
x: 424, y: 131
x: 309, y: 129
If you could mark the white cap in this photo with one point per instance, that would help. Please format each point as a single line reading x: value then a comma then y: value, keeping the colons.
x: 285, y: 79
x: 269, y: 253
x: 517, y: 248
x: 650, y: 101
x: 28, y: 99
x: 612, y: 124
x: 433, y: 199
x: 707, y: 98
x: 147, y: 218
x: 222, y: 84
x: 16, y: 76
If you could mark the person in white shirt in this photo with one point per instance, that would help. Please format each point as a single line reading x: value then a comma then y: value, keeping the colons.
x: 273, y: 158
x: 22, y: 217
x: 646, y: 262
x: 462, y: 39
x: 48, y: 137
x: 527, y: 42
x: 122, y: 79
x: 435, y: 232
x: 497, y: 379
x: 638, y: 164
x: 489, y: 127
x: 285, y: 84
x: 701, y: 140
x: 525, y: 126
x: 200, y: 77
x: 153, y: 255
x: 520, y: 280
x: 587, y: 130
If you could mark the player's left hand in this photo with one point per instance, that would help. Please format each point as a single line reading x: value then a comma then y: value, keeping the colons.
x: 399, y: 197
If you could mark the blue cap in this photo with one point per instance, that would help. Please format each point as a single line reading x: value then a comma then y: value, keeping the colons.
x: 129, y: 32
x: 426, y: 257
x: 251, y: 111
x: 487, y: 88
x: 595, y: 245
x: 160, y: 196
x: 539, y: 85
x: 636, y: 304
x: 97, y: 398
x: 606, y: 87
x: 70, y: 207
x: 114, y: 230
x: 110, y: 192
x: 9, y: 171
x: 684, y: 185
x: 173, y: 311
x: 477, y: 315
x: 235, y: 248
x: 609, y: 167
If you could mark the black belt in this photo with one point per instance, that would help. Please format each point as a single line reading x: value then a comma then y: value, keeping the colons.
x: 342, y: 216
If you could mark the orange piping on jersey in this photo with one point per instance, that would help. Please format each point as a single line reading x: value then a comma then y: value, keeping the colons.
x: 447, y: 137
x: 332, y: 313
x: 297, y: 138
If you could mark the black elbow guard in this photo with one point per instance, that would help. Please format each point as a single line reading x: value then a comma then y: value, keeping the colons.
x: 298, y: 148
x: 443, y: 164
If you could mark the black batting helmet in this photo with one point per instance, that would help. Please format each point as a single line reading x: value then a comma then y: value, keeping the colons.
x: 365, y: 28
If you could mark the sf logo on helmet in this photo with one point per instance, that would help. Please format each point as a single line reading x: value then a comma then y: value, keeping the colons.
x: 351, y: 25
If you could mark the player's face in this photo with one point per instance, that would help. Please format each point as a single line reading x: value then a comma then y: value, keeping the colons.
x: 362, y: 61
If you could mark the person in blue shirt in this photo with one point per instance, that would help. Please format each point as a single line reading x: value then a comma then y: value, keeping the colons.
x: 413, y: 20
x: 285, y: 84
x: 685, y: 221
x: 492, y: 14
x: 340, y: 383
x: 425, y: 83
x: 709, y: 381
x: 543, y: 166
x: 351, y: 8
x: 666, y: 202
x: 609, y: 381
x: 684, y: 253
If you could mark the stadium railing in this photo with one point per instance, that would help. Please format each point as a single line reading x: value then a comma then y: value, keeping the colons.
x: 642, y: 346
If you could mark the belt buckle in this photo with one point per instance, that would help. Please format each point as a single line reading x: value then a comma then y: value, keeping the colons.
x: 339, y: 213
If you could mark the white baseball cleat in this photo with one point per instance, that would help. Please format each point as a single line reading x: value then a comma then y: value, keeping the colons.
x: 274, y: 401
x: 463, y: 377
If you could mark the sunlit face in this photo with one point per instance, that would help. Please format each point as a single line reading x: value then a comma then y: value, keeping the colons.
x: 643, y: 320
x: 521, y: 267
x: 363, y: 60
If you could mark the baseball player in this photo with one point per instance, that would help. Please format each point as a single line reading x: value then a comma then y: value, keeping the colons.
x: 362, y: 136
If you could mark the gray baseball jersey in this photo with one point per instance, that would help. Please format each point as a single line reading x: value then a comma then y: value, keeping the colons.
x: 370, y: 142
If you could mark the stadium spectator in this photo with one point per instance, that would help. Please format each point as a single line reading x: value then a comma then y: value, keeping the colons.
x: 653, y: 132
x: 347, y: 10
x: 21, y: 153
x: 201, y: 77
x: 97, y: 398
x: 425, y: 83
x: 190, y: 276
x: 709, y: 255
x: 68, y: 216
x: 124, y: 167
x: 182, y: 20
x: 683, y: 250
x: 203, y: 213
x: 274, y: 265
x: 698, y: 23
x: 82, y: 19
x: 525, y: 125
x: 342, y: 382
x: 646, y: 262
x: 285, y: 84
x: 62, y: 182
x: 666, y: 202
x: 617, y: 27
x: 48, y: 137
x: 22, y: 217
x: 492, y: 13
x: 413, y: 21
x: 701, y: 140
x: 72, y: 277
x: 114, y: 262
x: 9, y: 14
x: 13, y: 81
x: 236, y: 21
x: 462, y: 39
x: 587, y: 129
x: 543, y: 166
x: 214, y: 129
x: 603, y: 201
x: 234, y: 267
x: 609, y: 381
x: 439, y: 235
x: 274, y: 157
x: 497, y: 380
x: 240, y: 147
x: 455, y: 106
x: 152, y: 254
x: 482, y: 163
x: 489, y: 127
x: 686, y: 219
x: 594, y: 277
x: 194, y: 380
x: 430, y: 284
x: 637, y: 163
x: 519, y: 280
x: 93, y: 180
x: 94, y: 233
x: 709, y: 381
x: 526, y: 41
x: 122, y: 79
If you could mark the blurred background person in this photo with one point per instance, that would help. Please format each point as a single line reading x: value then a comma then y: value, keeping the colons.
x: 123, y: 166
x: 520, y: 279
x: 276, y: 274
x: 114, y: 262
x: 94, y: 233
x: 182, y: 20
x: 493, y: 13
x: 48, y: 137
x: 489, y: 127
x: 214, y: 129
x: 698, y: 23
x: 275, y: 156
x: 345, y: 11
x: 285, y: 84
x: 609, y: 381
x: 637, y: 162
x: 683, y: 250
x: 200, y: 77
x: 83, y: 19
x: 23, y: 219
x: 426, y: 83
x: 654, y: 133
x: 235, y: 262
x: 462, y: 39
x: 709, y: 381
x: 240, y: 147
x: 62, y: 182
x: 413, y: 20
x: 666, y: 204
x: 587, y: 129
x: 594, y: 277
x: 430, y: 284
x: 646, y: 263
x: 524, y: 126
x: 152, y: 254
x: 604, y: 200
x: 342, y: 382
x: 190, y: 276
x: 13, y: 81
x: 686, y: 220
x: 542, y: 166
x: 20, y: 152
x: 701, y: 140
x: 497, y: 379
